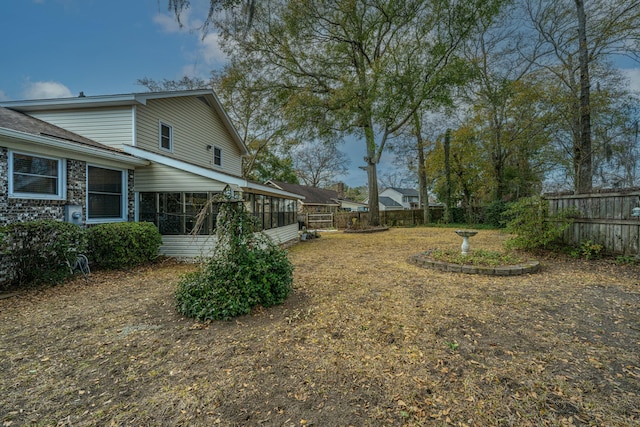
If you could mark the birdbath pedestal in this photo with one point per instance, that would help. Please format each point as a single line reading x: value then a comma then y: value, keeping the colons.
x: 465, y: 234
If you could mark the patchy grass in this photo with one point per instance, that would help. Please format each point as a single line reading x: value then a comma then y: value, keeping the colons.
x: 366, y: 339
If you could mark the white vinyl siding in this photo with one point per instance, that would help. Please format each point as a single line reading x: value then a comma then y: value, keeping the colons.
x: 196, y: 128
x: 191, y: 247
x: 109, y: 126
x: 283, y: 234
x: 160, y: 178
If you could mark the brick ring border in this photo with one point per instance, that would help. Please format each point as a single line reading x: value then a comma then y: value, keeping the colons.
x: 528, y: 267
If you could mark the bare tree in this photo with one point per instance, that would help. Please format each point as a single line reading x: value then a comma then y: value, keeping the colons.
x: 590, y: 32
x: 318, y: 164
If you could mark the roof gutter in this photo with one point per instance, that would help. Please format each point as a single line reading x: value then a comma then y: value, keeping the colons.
x: 74, y: 147
x: 207, y: 173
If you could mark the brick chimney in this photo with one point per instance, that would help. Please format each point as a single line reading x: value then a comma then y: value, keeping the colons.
x: 340, y: 190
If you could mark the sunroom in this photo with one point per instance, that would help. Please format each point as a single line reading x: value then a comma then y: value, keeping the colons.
x: 179, y: 198
x: 187, y: 213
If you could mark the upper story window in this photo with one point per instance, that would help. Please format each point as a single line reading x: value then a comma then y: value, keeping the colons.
x: 106, y: 194
x: 36, y: 177
x: 166, y: 137
x: 217, y: 156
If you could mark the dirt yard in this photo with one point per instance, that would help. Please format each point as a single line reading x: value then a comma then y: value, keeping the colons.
x: 366, y: 339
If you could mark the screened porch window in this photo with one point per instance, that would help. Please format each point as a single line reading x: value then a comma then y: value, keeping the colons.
x: 106, y: 194
x: 181, y: 213
x: 178, y: 213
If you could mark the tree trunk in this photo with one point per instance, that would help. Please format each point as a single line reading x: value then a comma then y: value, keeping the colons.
x: 422, y: 171
x: 372, y: 175
x: 584, y: 175
x: 447, y: 172
x: 374, y: 207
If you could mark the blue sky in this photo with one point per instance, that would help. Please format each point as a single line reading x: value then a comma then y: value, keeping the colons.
x: 57, y: 48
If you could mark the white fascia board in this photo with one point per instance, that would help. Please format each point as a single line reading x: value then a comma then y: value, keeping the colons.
x: 143, y: 96
x: 73, y: 147
x: 77, y: 102
x: 260, y: 188
x: 96, y: 101
x: 322, y: 204
x: 187, y: 167
x: 207, y: 173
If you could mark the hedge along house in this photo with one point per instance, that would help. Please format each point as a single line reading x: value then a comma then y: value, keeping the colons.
x: 190, y: 152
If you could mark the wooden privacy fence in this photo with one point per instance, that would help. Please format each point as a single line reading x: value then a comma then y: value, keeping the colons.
x: 605, y: 218
x: 340, y: 220
x: 400, y: 218
x: 315, y: 221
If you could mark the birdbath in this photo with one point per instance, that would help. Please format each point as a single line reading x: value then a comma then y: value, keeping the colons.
x: 465, y: 234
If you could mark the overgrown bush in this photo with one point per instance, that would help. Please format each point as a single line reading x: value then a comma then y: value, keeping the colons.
x: 123, y: 244
x: 38, y: 252
x: 494, y: 213
x: 246, y: 269
x: 529, y: 220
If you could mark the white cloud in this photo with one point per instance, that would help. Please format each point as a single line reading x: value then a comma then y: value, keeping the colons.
x: 210, y: 49
x: 633, y: 76
x: 41, y: 90
x: 3, y: 96
x: 168, y: 23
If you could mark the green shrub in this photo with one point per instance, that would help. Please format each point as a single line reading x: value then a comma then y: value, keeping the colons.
x: 38, y: 252
x: 626, y: 260
x: 123, y: 244
x: 246, y: 269
x: 494, y: 213
x: 588, y: 249
x: 529, y: 220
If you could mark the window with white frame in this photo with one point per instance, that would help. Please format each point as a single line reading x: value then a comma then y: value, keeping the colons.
x: 166, y: 137
x: 217, y: 156
x: 36, y: 177
x: 106, y: 194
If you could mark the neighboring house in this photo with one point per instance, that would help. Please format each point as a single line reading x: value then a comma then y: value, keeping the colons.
x: 388, y: 204
x: 171, y: 152
x: 408, y: 198
x: 319, y: 200
x: 353, y: 206
x: 395, y: 199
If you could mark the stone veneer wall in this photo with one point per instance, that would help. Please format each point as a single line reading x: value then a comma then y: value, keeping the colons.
x: 22, y: 210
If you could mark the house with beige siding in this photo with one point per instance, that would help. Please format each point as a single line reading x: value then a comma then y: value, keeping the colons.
x: 186, y: 151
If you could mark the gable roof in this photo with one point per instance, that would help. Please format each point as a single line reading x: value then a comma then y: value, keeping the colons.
x: 22, y: 127
x: 405, y: 191
x: 388, y: 202
x: 312, y: 195
x: 232, y: 180
x: 208, y: 96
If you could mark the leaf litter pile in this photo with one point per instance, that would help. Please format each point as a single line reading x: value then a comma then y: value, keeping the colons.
x: 366, y: 339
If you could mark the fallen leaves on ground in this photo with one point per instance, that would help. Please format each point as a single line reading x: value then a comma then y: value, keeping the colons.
x: 366, y: 339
